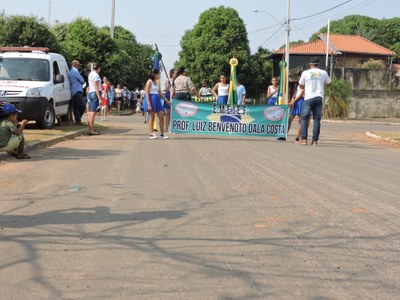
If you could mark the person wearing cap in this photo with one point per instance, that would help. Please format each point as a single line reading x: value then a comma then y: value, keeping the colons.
x: 11, y: 137
x: 77, y: 85
x: 312, y: 84
x: 94, y: 96
x: 182, y: 86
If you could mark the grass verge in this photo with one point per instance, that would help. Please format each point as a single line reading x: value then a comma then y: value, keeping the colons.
x: 34, y: 135
x: 390, y: 135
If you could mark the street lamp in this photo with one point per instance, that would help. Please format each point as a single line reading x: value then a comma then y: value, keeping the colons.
x: 287, y: 28
x: 266, y: 12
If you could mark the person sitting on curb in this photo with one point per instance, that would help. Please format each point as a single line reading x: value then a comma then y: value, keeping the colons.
x: 11, y: 137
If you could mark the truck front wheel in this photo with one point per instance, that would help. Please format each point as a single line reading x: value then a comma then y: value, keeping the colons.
x: 49, y: 119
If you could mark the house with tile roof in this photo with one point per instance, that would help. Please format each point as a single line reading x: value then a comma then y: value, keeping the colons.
x: 345, y: 51
x: 376, y: 93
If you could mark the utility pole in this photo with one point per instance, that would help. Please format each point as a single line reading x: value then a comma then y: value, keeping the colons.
x: 112, y: 19
x: 49, y: 16
x: 286, y: 96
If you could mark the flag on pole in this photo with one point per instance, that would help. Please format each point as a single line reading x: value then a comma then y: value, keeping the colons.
x: 156, y: 66
x: 156, y: 61
x: 282, y: 83
x: 232, y: 96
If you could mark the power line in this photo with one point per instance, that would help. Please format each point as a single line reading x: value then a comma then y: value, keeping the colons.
x: 316, y: 22
x: 321, y: 12
x: 262, y: 29
x: 267, y: 40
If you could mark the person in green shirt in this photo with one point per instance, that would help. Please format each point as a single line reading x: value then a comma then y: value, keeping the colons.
x: 11, y: 137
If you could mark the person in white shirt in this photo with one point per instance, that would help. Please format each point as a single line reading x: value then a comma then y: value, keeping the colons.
x: 312, y: 84
x: 94, y: 96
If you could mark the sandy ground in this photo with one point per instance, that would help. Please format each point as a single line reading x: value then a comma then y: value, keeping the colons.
x: 119, y: 216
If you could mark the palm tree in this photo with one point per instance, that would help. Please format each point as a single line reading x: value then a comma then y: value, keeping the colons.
x: 338, y: 99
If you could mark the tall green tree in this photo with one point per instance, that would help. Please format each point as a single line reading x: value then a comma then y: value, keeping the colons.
x: 137, y: 66
x: 22, y: 31
x: 207, y: 48
x: 81, y: 39
x: 260, y: 74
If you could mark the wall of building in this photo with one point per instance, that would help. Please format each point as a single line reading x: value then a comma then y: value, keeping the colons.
x: 376, y: 92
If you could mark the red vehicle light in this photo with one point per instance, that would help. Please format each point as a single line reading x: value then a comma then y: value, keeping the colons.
x: 24, y: 49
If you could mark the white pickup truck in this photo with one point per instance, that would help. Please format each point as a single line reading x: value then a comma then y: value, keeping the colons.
x: 36, y: 82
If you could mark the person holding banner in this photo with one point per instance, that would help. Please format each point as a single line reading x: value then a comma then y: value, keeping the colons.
x: 167, y: 107
x: 182, y: 86
x: 295, y: 110
x: 154, y: 106
x: 272, y: 92
x: 223, y: 91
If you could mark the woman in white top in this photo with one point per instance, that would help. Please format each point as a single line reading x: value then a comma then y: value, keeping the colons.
x: 272, y: 92
x: 223, y: 90
x: 94, y: 96
x: 154, y: 106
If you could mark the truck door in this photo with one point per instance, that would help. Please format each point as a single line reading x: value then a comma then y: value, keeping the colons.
x: 61, y: 100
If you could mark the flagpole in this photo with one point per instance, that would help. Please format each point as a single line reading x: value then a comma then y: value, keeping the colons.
x: 286, y: 96
x: 327, y: 45
x: 162, y: 62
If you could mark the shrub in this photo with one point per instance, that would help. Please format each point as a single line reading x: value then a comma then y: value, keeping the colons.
x: 338, y: 98
x: 372, y: 64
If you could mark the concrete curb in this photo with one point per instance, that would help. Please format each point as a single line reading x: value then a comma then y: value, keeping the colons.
x: 380, y: 138
x: 48, y: 143
x: 56, y: 140
x: 365, y: 122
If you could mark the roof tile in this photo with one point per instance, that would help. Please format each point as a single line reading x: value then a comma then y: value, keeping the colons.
x: 343, y: 43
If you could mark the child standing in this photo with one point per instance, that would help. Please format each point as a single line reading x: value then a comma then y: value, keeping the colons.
x: 295, y: 110
x: 11, y: 137
x: 105, y: 89
x: 272, y: 92
x: 138, y: 107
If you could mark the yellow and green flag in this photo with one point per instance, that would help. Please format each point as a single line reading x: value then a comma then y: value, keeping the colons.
x: 232, y: 96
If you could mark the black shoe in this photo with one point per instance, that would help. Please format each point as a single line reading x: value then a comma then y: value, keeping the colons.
x: 281, y: 139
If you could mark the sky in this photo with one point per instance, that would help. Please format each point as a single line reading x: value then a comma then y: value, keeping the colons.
x: 165, y: 22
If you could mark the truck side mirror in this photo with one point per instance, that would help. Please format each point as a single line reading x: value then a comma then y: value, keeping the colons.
x: 59, y: 79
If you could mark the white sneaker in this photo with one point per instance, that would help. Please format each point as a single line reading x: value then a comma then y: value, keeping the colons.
x: 164, y: 137
x: 153, y: 136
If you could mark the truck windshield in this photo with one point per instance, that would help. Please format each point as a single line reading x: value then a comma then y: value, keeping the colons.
x: 24, y: 68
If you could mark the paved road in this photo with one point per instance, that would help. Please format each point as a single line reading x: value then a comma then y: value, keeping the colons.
x: 119, y: 216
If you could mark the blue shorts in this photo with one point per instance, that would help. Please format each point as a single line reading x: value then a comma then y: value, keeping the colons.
x: 155, y: 101
x: 222, y: 100
x: 272, y: 101
x: 296, y: 110
x: 93, y: 102
x: 168, y: 96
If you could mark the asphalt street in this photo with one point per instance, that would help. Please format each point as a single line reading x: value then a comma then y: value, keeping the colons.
x: 119, y: 216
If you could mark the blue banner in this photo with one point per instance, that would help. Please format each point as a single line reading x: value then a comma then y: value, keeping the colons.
x: 248, y: 120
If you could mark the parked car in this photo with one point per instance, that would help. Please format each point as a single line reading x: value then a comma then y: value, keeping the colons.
x: 36, y: 82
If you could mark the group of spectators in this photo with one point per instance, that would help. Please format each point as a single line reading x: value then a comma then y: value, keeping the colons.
x: 106, y: 95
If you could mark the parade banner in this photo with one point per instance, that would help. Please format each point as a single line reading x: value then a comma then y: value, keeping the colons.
x: 249, y: 120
